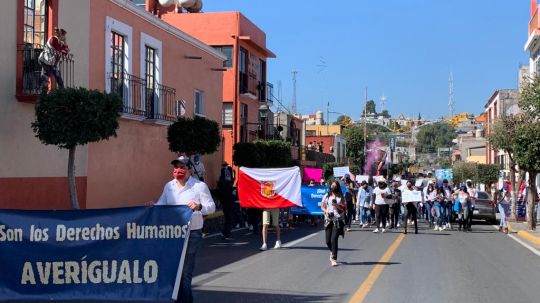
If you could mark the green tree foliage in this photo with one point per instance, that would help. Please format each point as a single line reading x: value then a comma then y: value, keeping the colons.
x: 75, y: 116
x: 487, y: 174
x: 328, y: 170
x: 354, y: 169
x: 463, y: 171
x: 343, y: 120
x: 354, y: 136
x: 191, y: 136
x: 370, y: 108
x: 433, y: 136
x: 526, y: 142
x: 262, y: 154
x: 385, y: 113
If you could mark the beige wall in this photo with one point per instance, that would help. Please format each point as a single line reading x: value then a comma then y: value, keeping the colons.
x: 22, y: 154
x: 74, y: 17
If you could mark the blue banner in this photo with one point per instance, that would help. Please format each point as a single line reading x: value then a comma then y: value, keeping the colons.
x: 311, y: 201
x: 124, y: 254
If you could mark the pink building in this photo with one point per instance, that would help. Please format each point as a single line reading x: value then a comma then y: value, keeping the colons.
x: 160, y: 72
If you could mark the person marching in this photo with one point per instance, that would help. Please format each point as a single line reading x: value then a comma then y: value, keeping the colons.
x: 462, y: 197
x: 333, y: 206
x: 429, y: 197
x: 410, y: 209
x: 382, y: 194
x: 349, y: 199
x: 364, y: 202
x: 473, y: 195
x: 448, y: 204
x: 395, y: 204
x: 438, y: 205
x: 503, y: 203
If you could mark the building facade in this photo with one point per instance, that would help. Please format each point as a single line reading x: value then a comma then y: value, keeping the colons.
x: 116, y: 47
x: 244, y: 94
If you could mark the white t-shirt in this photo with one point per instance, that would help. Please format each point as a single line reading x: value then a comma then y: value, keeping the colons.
x: 473, y: 193
x: 379, y: 200
x: 330, y: 207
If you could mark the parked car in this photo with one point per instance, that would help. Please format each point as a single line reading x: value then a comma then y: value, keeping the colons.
x: 485, y: 208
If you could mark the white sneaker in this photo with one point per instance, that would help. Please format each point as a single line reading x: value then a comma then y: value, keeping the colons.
x: 383, y: 230
x: 364, y: 226
x: 436, y: 227
x: 387, y: 224
x: 398, y: 225
x: 263, y: 247
x: 376, y: 230
x: 443, y: 228
x: 278, y: 244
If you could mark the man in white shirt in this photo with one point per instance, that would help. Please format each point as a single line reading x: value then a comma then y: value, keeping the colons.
x: 186, y: 190
x: 473, y: 194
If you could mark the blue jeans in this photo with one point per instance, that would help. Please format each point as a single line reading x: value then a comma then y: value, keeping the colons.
x: 449, y: 209
x: 429, y: 216
x: 194, y: 243
x: 438, y: 212
x: 365, y: 215
x: 503, y: 211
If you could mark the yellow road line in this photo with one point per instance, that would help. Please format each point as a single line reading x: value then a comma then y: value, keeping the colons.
x: 364, y: 289
x: 526, y: 235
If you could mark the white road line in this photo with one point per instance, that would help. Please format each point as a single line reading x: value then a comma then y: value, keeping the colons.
x: 293, y: 243
x: 219, y: 234
x: 518, y: 240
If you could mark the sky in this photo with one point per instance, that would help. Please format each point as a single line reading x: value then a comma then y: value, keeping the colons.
x: 405, y: 50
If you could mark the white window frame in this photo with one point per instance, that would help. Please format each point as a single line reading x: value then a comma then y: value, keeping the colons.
x: 113, y: 25
x: 147, y: 40
x: 203, y: 114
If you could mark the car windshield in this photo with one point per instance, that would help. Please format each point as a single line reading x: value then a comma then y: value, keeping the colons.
x: 483, y: 195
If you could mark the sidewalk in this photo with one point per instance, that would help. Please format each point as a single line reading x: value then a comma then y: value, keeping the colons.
x: 530, y: 237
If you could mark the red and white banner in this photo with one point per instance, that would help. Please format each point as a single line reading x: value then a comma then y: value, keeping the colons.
x: 270, y: 187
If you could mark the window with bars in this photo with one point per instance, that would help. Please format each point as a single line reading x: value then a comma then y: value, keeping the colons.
x: 35, y: 22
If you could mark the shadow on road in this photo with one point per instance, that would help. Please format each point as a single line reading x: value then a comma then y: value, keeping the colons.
x: 261, y: 297
x: 320, y: 248
x: 370, y: 263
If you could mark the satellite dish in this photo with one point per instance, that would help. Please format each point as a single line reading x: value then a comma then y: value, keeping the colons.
x: 186, y: 3
x: 166, y: 3
x: 197, y: 7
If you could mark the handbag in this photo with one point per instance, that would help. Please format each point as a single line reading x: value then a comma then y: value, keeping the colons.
x: 48, y: 55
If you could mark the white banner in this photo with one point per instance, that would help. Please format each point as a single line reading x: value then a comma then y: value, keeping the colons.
x: 341, y: 171
x: 411, y: 196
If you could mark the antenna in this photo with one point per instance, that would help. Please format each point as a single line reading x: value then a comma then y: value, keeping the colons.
x: 293, y: 105
x: 451, y: 95
x: 383, y: 102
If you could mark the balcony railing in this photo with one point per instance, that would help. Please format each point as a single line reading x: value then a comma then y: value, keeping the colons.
x: 157, y: 103
x: 31, y: 69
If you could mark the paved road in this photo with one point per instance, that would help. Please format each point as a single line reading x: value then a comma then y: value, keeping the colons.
x: 442, y: 266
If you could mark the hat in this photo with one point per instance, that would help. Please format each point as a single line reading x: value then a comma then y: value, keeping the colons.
x: 182, y: 160
x: 347, y: 176
x: 463, y: 187
x: 505, y: 186
x: 468, y: 180
x: 363, y: 182
x: 439, y: 184
x: 383, y: 180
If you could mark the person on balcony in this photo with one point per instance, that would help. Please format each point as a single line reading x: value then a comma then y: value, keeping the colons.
x: 53, y: 51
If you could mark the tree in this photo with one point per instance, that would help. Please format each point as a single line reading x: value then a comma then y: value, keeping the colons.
x: 370, y: 108
x: 501, y: 137
x: 487, y: 174
x: 355, y: 144
x: 186, y: 136
x: 526, y: 142
x: 343, y: 120
x: 67, y: 117
x: 262, y: 154
x: 385, y: 114
x: 463, y: 171
x: 436, y: 135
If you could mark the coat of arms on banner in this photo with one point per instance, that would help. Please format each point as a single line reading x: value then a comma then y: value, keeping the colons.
x: 268, y: 188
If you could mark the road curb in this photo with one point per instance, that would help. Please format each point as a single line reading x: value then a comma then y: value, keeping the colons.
x: 525, y: 235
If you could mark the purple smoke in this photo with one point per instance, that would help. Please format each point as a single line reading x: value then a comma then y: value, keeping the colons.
x: 372, y: 155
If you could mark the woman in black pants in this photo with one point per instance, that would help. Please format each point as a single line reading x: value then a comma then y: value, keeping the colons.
x: 333, y: 206
x: 382, y: 194
x: 410, y: 209
x: 349, y: 199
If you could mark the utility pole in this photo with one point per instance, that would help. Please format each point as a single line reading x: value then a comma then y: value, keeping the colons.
x: 293, y: 105
x: 365, y: 129
x: 327, y: 117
